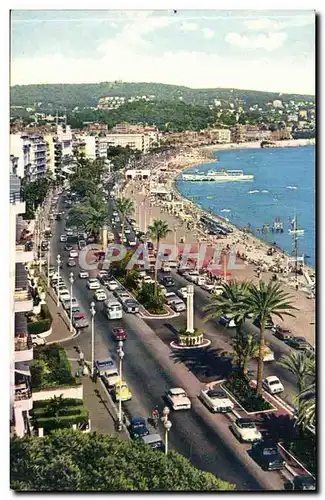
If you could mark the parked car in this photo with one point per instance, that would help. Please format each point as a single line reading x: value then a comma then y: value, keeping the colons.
x: 216, y: 400
x: 138, y: 428
x: 64, y: 294
x: 171, y: 297
x: 70, y: 302
x: 267, y: 455
x: 178, y: 399
x: 281, y: 333
x: 167, y: 281
x: 191, y: 275
x: 73, y: 254
x: 301, y: 483
x: 63, y: 238
x: 37, y: 340
x: 100, y: 295
x: 227, y: 321
x: 273, y: 385
x: 119, y: 333
x: 182, y: 293
x: 104, y: 366
x: 147, y: 280
x: 208, y: 286
x: 154, y: 441
x: 121, y: 391
x: 93, y: 284
x: 165, y: 268
x: 71, y: 263
x: 79, y: 320
x: 178, y: 305
x: 268, y: 325
x: 104, y: 280
x: 68, y: 247
x: 83, y: 274
x: 112, y: 285
x: 299, y: 343
x: 245, y: 430
x: 82, y: 244
x: 130, y: 306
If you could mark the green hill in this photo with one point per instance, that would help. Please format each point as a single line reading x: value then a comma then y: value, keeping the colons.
x: 68, y: 96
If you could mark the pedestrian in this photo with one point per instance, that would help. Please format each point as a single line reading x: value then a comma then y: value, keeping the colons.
x: 81, y: 357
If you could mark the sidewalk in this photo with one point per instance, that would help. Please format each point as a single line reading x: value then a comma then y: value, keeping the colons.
x: 102, y: 412
x: 60, y: 323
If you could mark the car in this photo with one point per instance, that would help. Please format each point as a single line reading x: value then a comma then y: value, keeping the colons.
x: 119, y: 333
x: 227, y: 321
x: 69, y: 232
x: 217, y: 290
x: 191, y: 276
x: 245, y: 430
x: 299, y: 343
x: 70, y: 302
x: 52, y: 272
x: 82, y: 244
x: 301, y: 483
x: 90, y: 239
x: 93, y: 284
x: 68, y: 247
x: 131, y: 306
x: 171, y: 297
x: 83, y: 274
x: 138, y: 428
x: 45, y: 246
x: 58, y: 283
x: 73, y: 254
x: 208, y: 286
x: 104, y: 280
x: 122, y: 295
x: 64, y: 294
x: 132, y: 243
x: 127, y: 231
x: 167, y: 281
x: 104, y: 366
x: 178, y: 305
x: 63, y: 238
x: 102, y: 272
x: 100, y: 295
x: 267, y: 455
x: 154, y: 441
x: 37, y: 340
x: 281, y: 333
x: 79, y: 320
x: 121, y: 391
x: 199, y: 280
x: 115, y: 214
x: 112, y: 285
x: 216, y: 400
x: 182, y: 293
x: 273, y: 385
x: 71, y: 263
x: 75, y: 309
x: 162, y: 289
x: 268, y: 324
x: 147, y: 280
x: 165, y: 268
x: 178, y: 399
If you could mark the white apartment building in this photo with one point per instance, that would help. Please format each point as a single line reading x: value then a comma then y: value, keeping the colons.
x: 140, y: 142
x: 221, y: 136
x: 32, y: 153
x: 20, y: 302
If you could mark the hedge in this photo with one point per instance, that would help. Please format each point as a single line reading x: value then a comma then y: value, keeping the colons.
x: 67, y: 402
x: 239, y: 386
x: 43, y: 324
x: 51, y: 423
x: 38, y: 413
x: 51, y: 368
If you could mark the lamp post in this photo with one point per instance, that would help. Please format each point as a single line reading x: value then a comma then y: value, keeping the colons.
x: 48, y: 264
x: 58, y: 260
x: 167, y: 425
x: 71, y: 283
x: 120, y: 353
x: 92, y: 312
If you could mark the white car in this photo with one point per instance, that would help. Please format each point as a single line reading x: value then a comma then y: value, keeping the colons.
x: 171, y: 297
x: 100, y: 295
x: 182, y: 293
x: 216, y: 400
x: 273, y: 385
x: 217, y: 290
x: 102, y: 272
x: 112, y: 285
x: 64, y: 295
x: 63, y: 238
x: 127, y: 231
x: 93, y: 284
x: 115, y: 214
x: 70, y: 302
x: 147, y: 279
x: 162, y: 288
x: 132, y: 243
x: 178, y: 305
x: 245, y: 430
x: 191, y: 276
x: 208, y: 286
x: 165, y: 268
x: 38, y: 340
x: 83, y: 274
x: 199, y: 280
x: 73, y: 254
x: 178, y: 399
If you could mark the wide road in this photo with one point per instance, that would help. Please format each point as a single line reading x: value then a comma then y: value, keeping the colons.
x: 150, y: 371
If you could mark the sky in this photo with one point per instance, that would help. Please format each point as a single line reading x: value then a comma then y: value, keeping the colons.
x: 261, y: 50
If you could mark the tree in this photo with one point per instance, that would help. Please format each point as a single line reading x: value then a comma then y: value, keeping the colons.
x: 158, y: 231
x: 95, y: 221
x: 55, y: 405
x: 68, y: 460
x: 245, y: 348
x: 262, y: 302
x: 126, y: 207
x: 83, y: 186
x: 299, y: 364
x: 307, y: 397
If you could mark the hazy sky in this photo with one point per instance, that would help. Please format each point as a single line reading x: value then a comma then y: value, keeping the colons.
x: 263, y: 50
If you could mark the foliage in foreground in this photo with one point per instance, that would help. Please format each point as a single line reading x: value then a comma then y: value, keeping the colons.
x: 71, y: 461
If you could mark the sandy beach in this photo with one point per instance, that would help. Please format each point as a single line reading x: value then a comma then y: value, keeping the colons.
x: 183, y: 218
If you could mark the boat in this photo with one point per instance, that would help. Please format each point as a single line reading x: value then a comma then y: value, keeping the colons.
x: 297, y: 231
x: 220, y: 175
x: 254, y: 191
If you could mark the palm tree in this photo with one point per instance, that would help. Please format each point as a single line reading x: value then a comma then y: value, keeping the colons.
x: 263, y: 301
x: 158, y: 231
x: 245, y: 348
x: 55, y: 405
x: 297, y: 363
x: 307, y: 417
x: 126, y: 207
x: 95, y: 221
x: 94, y: 200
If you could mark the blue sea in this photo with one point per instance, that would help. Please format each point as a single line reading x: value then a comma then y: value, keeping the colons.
x: 284, y: 186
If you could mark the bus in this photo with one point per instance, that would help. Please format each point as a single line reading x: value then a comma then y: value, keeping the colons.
x: 113, y: 309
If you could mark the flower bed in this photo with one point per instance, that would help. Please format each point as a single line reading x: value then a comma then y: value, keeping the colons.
x: 239, y: 387
x: 51, y: 368
x: 40, y: 323
x: 304, y: 447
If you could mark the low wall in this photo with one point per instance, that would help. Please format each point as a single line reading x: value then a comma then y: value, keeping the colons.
x: 45, y: 334
x: 67, y: 392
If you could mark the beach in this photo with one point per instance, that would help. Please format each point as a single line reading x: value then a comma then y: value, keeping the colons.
x: 183, y: 218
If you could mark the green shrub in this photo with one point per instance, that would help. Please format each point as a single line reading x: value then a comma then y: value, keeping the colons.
x: 304, y: 449
x: 38, y: 413
x: 67, y: 402
x: 37, y: 327
x: 58, y: 372
x: 238, y: 385
x: 45, y: 312
x: 51, y: 423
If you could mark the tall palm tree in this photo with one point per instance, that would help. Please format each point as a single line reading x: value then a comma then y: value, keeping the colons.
x: 245, y: 348
x: 262, y: 302
x: 95, y: 221
x: 126, y: 207
x: 307, y: 396
x: 158, y: 231
x: 297, y: 363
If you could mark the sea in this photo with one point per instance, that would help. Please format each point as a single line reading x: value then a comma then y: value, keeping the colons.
x: 283, y: 188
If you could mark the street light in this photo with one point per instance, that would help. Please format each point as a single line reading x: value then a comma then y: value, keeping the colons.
x: 48, y: 264
x: 92, y: 312
x: 167, y: 425
x: 58, y: 260
x: 120, y: 353
x: 71, y: 283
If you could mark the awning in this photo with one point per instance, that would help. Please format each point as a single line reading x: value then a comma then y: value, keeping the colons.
x: 22, y: 369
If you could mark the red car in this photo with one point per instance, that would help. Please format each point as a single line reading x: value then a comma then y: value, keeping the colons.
x: 282, y: 333
x: 119, y: 333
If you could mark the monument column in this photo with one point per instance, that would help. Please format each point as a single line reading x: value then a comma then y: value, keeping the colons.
x: 190, y: 308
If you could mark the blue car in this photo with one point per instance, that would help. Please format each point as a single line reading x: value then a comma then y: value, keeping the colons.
x: 138, y: 428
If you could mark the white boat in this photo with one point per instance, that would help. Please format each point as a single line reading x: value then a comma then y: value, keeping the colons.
x: 254, y: 191
x: 220, y: 175
x: 296, y: 231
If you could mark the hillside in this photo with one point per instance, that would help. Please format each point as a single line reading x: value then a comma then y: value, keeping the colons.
x: 60, y: 96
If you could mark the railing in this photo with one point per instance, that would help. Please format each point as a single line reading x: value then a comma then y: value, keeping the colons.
x: 23, y: 394
x: 23, y: 344
x: 21, y: 295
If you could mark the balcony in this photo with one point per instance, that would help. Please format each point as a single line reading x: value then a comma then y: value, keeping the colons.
x: 23, y: 348
x: 23, y: 397
x: 23, y: 301
x: 24, y: 253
